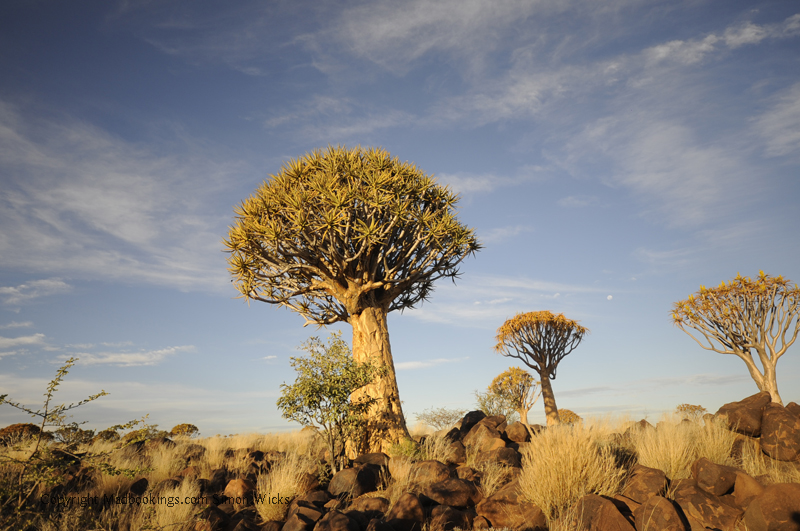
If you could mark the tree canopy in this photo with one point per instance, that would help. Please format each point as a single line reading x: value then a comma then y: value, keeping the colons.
x: 745, y: 315
x: 340, y: 230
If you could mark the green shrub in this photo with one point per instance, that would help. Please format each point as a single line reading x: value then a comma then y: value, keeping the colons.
x: 184, y: 430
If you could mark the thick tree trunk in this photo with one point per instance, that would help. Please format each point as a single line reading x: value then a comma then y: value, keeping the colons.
x: 523, y: 415
x: 386, y: 423
x: 549, y: 399
x: 770, y: 384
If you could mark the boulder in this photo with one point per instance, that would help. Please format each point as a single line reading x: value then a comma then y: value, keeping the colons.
x: 706, y: 508
x: 456, y: 453
x: 600, y: 514
x: 307, y: 511
x: 484, y: 438
x: 469, y: 420
x: 337, y: 521
x: 745, y: 416
x: 454, y: 492
x: 793, y: 408
x: 519, y: 516
x: 138, y: 487
x: 780, y: 433
x: 479, y: 522
x: 211, y: 519
x: 713, y: 478
x: 745, y: 489
x: 370, y: 507
x: 193, y: 452
x: 377, y: 458
x: 240, y: 491
x: 659, y: 513
x: 504, y: 456
x: 427, y: 472
x: 645, y: 483
x: 447, y: 518
x: 467, y: 473
x: 407, y: 514
x: 775, y: 509
x: 354, y: 482
x: 298, y: 522
x: 376, y: 524
x: 517, y: 432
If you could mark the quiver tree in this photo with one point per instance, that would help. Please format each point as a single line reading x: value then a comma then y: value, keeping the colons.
x: 540, y: 340
x: 519, y: 388
x: 350, y: 235
x: 743, y: 316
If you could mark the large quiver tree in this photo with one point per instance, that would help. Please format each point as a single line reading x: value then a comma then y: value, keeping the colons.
x: 743, y: 316
x: 540, y: 340
x: 350, y: 235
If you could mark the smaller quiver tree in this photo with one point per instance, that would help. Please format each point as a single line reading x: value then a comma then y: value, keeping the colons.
x: 540, y: 340
x: 743, y: 316
x: 321, y: 395
x: 520, y: 388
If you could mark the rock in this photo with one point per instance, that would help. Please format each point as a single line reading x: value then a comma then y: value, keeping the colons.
x: 745, y: 416
x: 271, y: 525
x: 713, y: 478
x: 470, y: 420
x: 336, y: 521
x: 239, y: 488
x: 218, y: 480
x: 407, y: 514
x: 377, y: 458
x: 504, y: 456
x: 793, y: 408
x: 354, y: 482
x: 138, y: 487
x: 447, y: 518
x: 498, y: 422
x: 211, y: 519
x: 517, y: 432
x: 467, y: 473
x: 255, y: 455
x: 377, y: 524
x: 454, y: 492
x: 645, y: 483
x: 456, y: 454
x: 370, y: 507
x: 659, y: 513
x: 484, y: 438
x: 706, y: 508
x: 427, y: 472
x: 745, y: 489
x: 298, y: 522
x: 307, y: 511
x: 780, y: 433
x: 630, y: 505
x: 600, y: 514
x: 190, y: 472
x: 775, y: 509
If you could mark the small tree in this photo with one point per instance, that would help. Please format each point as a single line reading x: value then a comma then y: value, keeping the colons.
x: 350, y: 235
x: 185, y: 430
x: 440, y: 418
x: 567, y: 416
x: 519, y: 388
x: 743, y: 316
x: 540, y: 340
x: 690, y: 412
x: 492, y: 403
x: 321, y: 394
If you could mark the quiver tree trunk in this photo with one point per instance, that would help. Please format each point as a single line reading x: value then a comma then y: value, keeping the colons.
x: 549, y: 399
x: 385, y: 423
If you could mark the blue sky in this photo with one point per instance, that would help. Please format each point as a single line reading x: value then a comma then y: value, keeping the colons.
x: 612, y: 156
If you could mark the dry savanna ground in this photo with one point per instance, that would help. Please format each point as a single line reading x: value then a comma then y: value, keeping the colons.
x: 559, y: 465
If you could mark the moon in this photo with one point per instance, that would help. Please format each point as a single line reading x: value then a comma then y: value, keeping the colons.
x: 609, y: 297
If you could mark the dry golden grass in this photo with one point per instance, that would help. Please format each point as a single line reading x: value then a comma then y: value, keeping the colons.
x: 564, y: 463
x: 755, y: 463
x: 493, y: 476
x: 285, y: 480
x: 172, y: 512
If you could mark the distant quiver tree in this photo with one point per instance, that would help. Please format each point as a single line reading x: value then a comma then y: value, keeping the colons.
x: 520, y: 388
x: 350, y: 235
x: 743, y: 316
x: 540, y: 340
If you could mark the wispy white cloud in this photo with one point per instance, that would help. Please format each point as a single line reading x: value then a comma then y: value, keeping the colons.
x: 129, y: 359
x: 22, y: 341
x: 780, y: 125
x: 88, y: 203
x: 32, y: 290
x: 577, y: 201
x: 500, y: 234
x: 409, y: 365
x: 15, y: 324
